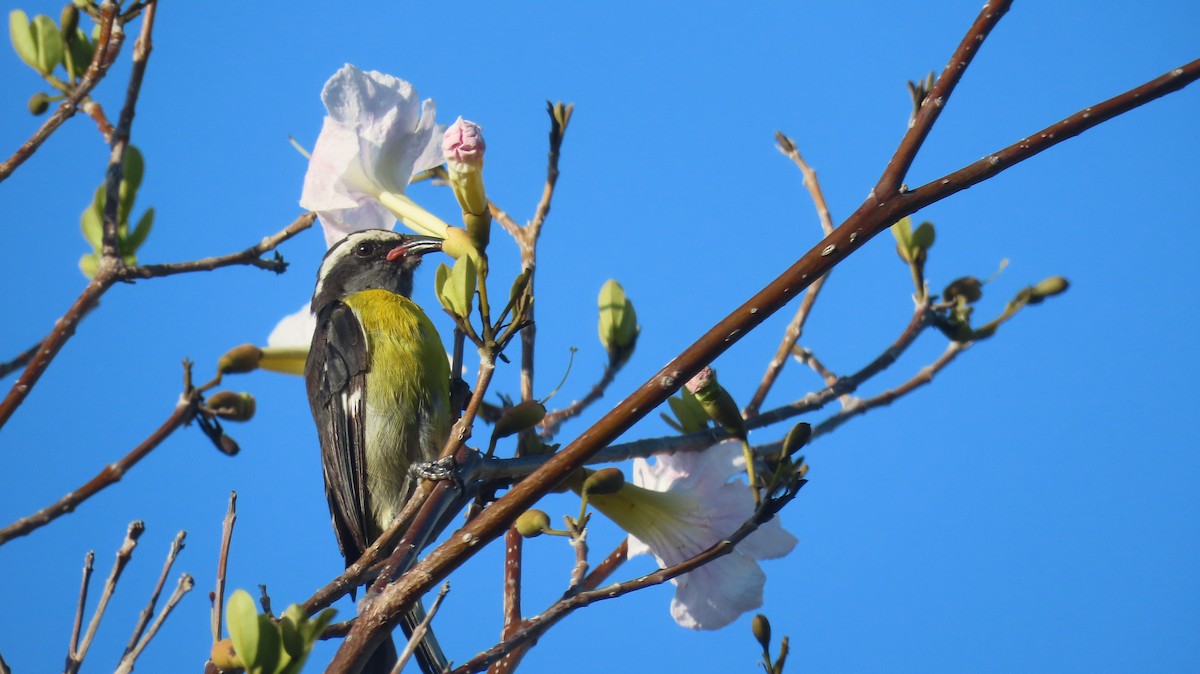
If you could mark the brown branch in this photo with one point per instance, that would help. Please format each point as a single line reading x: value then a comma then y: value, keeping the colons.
x: 251, y: 256
x: 218, y: 607
x: 109, y: 475
x: 796, y: 327
x: 77, y: 625
x: 922, y: 122
x: 185, y: 585
x: 810, y: 359
x: 611, y: 563
x: 107, y: 42
x: 420, y: 630
x: 553, y: 420
x: 124, y: 553
x: 120, y: 139
x: 108, y: 275
x: 19, y: 362
x: 148, y: 612
x: 874, y: 216
x: 864, y: 405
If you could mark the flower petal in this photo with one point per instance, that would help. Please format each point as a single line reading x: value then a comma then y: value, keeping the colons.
x: 294, y: 330
x: 715, y: 594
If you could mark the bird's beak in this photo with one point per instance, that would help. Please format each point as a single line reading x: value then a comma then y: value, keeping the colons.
x: 414, y: 246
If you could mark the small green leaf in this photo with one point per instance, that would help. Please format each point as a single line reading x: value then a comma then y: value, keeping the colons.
x: 241, y: 619
x: 91, y: 222
x: 270, y: 651
x: 135, y: 168
x: 456, y: 288
x: 140, y: 232
x: 922, y: 237
x: 21, y: 33
x: 89, y: 264
x: 902, y: 230
x: 49, y: 43
x: 317, y: 624
x: 690, y: 413
x: 82, y: 50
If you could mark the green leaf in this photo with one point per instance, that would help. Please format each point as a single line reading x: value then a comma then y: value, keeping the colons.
x: 902, y: 230
x: 135, y: 168
x: 923, y: 237
x: 317, y: 624
x: 82, y: 50
x: 241, y: 619
x: 457, y: 286
x: 48, y: 41
x: 89, y: 264
x: 270, y: 651
x: 92, y: 223
x: 140, y: 232
x: 21, y: 34
x: 689, y: 412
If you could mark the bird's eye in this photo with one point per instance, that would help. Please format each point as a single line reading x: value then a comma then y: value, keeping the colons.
x: 364, y: 249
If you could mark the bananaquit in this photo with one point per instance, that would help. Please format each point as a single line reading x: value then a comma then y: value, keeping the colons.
x: 378, y: 383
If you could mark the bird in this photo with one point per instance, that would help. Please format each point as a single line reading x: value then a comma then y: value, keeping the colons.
x: 378, y: 384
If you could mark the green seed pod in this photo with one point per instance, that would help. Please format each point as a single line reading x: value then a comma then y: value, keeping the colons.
x: 519, y: 417
x: 38, y: 104
x: 240, y: 359
x: 761, y: 627
x: 532, y: 523
x: 1050, y: 287
x: 232, y: 406
x: 797, y: 438
x: 604, y: 481
x: 618, y: 326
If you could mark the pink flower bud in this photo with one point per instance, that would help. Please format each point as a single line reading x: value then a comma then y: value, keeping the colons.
x: 463, y: 143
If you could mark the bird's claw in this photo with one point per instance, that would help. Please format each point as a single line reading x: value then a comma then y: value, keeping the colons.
x: 444, y: 468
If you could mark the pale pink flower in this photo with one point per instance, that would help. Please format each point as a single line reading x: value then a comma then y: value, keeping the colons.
x: 682, y: 504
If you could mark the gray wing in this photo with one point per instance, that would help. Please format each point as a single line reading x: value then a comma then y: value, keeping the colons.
x: 336, y: 375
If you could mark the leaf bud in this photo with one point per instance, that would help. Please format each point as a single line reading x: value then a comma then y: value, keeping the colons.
x: 618, y: 326
x: 455, y: 286
x: 38, y: 103
x: 797, y: 438
x: 232, y: 406
x: 532, y: 523
x: 523, y: 415
x: 716, y: 401
x: 604, y: 481
x: 1055, y: 285
x: 761, y: 627
x: 240, y: 359
x: 967, y: 287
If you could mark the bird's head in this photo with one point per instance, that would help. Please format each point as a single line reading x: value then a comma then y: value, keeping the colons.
x: 370, y: 259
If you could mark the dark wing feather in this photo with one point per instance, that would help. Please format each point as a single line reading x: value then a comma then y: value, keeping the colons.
x: 336, y: 374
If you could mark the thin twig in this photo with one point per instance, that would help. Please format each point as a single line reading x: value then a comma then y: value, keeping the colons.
x: 76, y: 656
x: 112, y: 473
x: 222, y: 565
x: 251, y: 256
x: 108, y: 275
x: 77, y: 625
x: 148, y: 612
x: 185, y: 585
x: 264, y: 600
x: 874, y: 216
x: 420, y: 630
x: 110, y: 244
x: 863, y: 405
x: 19, y: 362
x: 611, y: 563
x: 553, y: 420
x: 796, y: 327
x: 108, y: 44
x: 810, y: 359
x: 922, y: 122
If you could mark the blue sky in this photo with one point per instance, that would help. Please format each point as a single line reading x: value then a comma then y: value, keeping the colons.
x: 1033, y: 509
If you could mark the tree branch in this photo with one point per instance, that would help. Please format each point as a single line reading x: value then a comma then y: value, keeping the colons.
x: 107, y: 44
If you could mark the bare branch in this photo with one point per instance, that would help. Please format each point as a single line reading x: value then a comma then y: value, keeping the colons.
x: 108, y: 45
x: 222, y: 565
x: 553, y: 420
x: 251, y: 256
x: 185, y: 409
x: 19, y: 362
x: 185, y: 585
x: 124, y: 553
x: 922, y: 122
x: 420, y: 630
x: 148, y: 612
x: 77, y: 626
